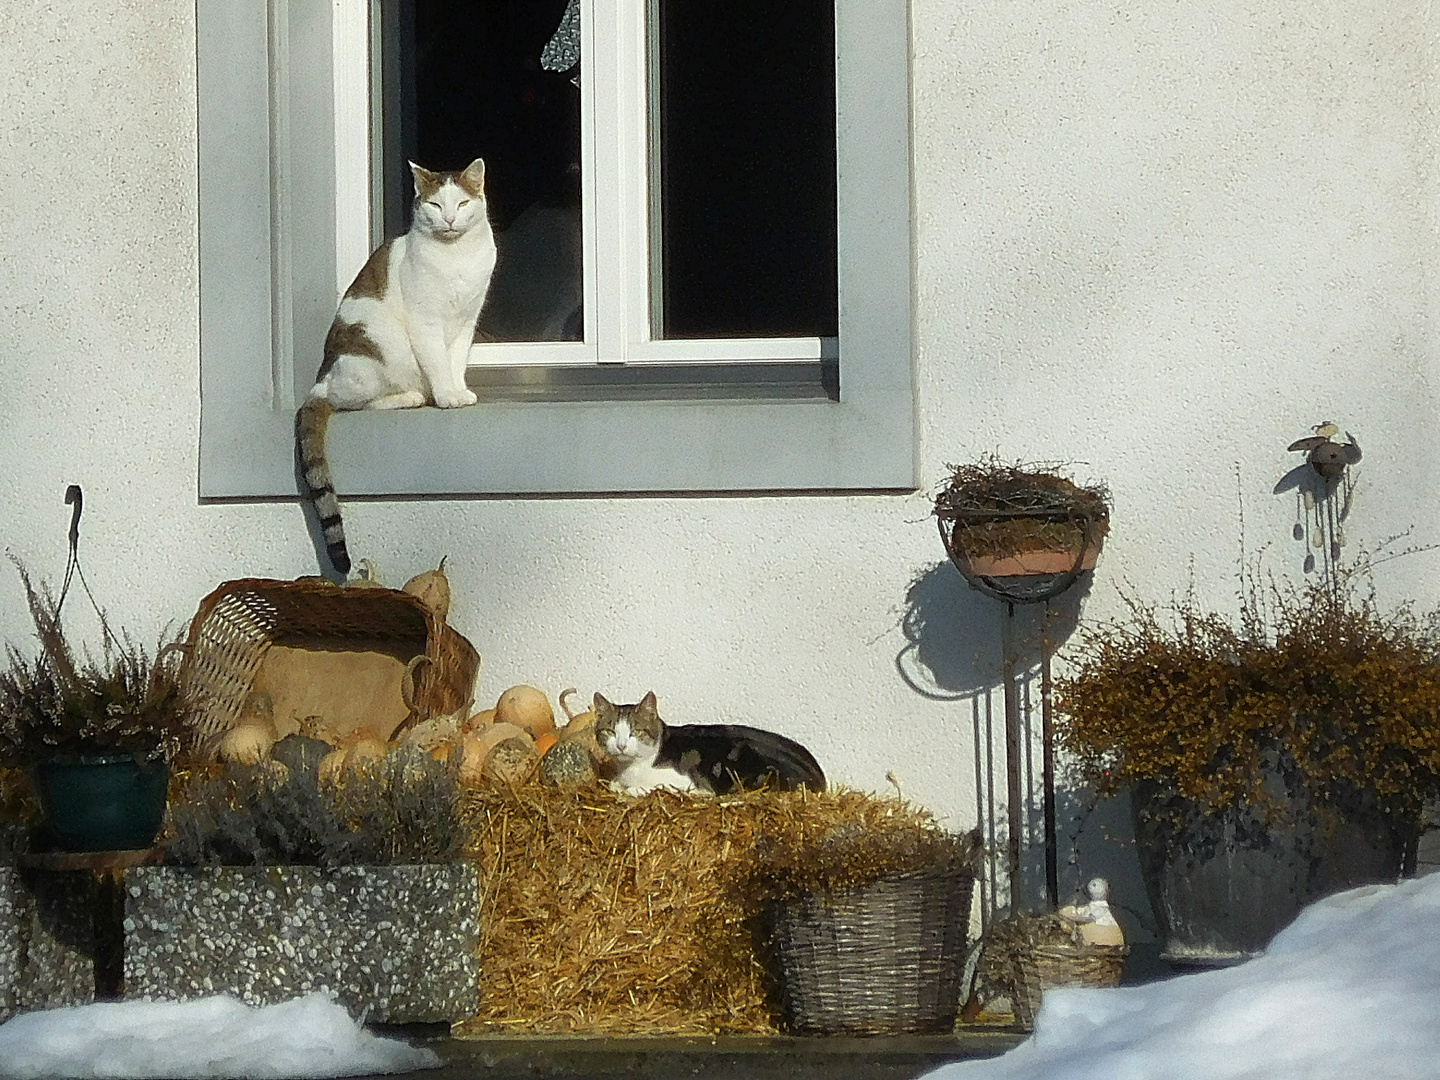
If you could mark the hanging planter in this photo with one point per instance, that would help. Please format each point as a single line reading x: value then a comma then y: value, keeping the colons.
x: 1020, y: 533
x: 94, y: 735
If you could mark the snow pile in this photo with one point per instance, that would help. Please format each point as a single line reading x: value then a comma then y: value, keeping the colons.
x: 310, y: 1036
x: 1350, y: 989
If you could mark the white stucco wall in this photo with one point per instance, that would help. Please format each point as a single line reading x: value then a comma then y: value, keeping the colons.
x: 1158, y: 241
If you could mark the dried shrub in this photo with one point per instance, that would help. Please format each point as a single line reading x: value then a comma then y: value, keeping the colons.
x: 403, y: 808
x: 128, y: 701
x: 1001, y: 509
x: 611, y: 915
x: 1200, y: 706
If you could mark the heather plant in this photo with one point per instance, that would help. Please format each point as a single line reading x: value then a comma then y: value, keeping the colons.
x: 1339, y: 694
x: 56, y: 703
x: 401, y: 809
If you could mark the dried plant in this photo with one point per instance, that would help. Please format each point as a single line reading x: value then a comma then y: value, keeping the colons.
x: 1001, y: 509
x: 1321, y: 683
x: 402, y: 809
x: 791, y: 864
x: 58, y: 703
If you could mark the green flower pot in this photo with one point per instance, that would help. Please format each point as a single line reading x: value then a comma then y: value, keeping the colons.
x: 102, y: 802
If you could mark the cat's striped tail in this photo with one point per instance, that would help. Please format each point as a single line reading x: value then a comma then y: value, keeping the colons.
x: 311, y: 421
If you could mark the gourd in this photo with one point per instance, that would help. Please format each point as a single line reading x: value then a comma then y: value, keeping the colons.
x: 433, y: 589
x: 527, y: 708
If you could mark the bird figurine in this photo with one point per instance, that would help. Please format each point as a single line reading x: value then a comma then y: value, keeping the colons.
x: 1327, y: 457
x: 1094, y: 920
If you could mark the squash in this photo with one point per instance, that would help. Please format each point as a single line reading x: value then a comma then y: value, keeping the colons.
x: 433, y: 589
x: 525, y: 707
x: 248, y: 742
x: 331, y: 769
x: 483, y: 718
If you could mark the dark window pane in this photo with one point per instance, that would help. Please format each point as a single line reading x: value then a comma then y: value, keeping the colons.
x: 464, y: 80
x: 747, y: 168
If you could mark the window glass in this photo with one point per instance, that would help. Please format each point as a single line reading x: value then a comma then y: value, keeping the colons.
x: 465, y: 79
x: 746, y: 133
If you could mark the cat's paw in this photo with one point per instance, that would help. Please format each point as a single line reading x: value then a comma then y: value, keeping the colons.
x: 455, y: 399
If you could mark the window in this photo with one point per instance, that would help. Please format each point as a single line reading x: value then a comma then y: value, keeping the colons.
x: 693, y: 332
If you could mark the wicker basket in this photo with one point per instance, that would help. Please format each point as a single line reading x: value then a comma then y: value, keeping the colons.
x: 242, y: 621
x: 882, y: 959
x: 1049, y: 966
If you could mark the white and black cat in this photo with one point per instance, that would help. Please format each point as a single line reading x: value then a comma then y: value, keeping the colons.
x: 647, y: 753
x: 402, y: 334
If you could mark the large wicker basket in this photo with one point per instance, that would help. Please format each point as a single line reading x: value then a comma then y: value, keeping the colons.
x: 884, y: 958
x: 430, y: 668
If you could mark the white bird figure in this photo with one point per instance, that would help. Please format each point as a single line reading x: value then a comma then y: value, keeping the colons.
x: 1095, y: 919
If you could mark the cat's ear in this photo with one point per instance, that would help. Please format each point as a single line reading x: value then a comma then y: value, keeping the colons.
x: 473, y: 178
x: 424, y: 178
x: 601, y: 706
x: 648, y: 706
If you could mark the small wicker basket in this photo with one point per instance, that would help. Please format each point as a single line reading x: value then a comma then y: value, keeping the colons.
x: 1048, y: 967
x: 1026, y: 955
x: 243, y: 620
x: 880, y: 959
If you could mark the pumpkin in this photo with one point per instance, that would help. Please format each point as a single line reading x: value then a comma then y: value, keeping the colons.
x: 483, y: 718
x: 365, y: 750
x: 475, y: 746
x: 428, y: 734
x: 544, y: 741
x: 247, y: 742
x: 331, y: 769
x: 525, y: 707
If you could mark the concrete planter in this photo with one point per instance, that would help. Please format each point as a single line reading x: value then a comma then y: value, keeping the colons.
x: 47, y: 942
x: 398, y: 942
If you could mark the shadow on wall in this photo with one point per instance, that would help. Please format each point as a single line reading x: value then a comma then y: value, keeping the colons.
x: 955, y: 635
x: 956, y: 639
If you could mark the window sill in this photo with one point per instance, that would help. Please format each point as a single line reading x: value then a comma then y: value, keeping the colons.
x: 799, y: 380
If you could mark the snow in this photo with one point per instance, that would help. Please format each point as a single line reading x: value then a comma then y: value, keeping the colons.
x: 1350, y: 989
x: 310, y: 1036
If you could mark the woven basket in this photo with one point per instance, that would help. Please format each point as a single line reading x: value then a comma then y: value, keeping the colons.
x: 885, y: 958
x: 241, y: 621
x: 1049, y: 966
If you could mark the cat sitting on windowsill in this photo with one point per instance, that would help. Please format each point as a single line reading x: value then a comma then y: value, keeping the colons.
x: 712, y: 759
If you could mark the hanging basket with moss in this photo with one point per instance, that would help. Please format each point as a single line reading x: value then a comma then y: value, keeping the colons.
x: 1006, y: 526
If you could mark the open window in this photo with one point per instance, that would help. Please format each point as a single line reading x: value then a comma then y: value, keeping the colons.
x: 702, y: 212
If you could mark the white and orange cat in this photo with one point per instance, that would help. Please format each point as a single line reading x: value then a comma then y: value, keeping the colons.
x: 401, y: 337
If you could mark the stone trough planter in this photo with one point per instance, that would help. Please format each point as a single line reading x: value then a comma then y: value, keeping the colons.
x: 395, y: 942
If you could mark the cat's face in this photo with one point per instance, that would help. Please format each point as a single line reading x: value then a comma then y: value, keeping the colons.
x: 627, y: 732
x: 449, y: 204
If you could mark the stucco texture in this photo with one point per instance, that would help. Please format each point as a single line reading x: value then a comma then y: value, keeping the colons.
x: 1155, y: 241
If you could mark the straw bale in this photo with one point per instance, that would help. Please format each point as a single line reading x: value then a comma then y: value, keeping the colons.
x: 605, y: 914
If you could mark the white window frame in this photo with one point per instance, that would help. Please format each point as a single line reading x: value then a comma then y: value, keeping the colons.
x: 280, y: 234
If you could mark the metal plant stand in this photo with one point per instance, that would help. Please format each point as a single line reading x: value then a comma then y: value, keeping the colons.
x: 1012, y: 590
